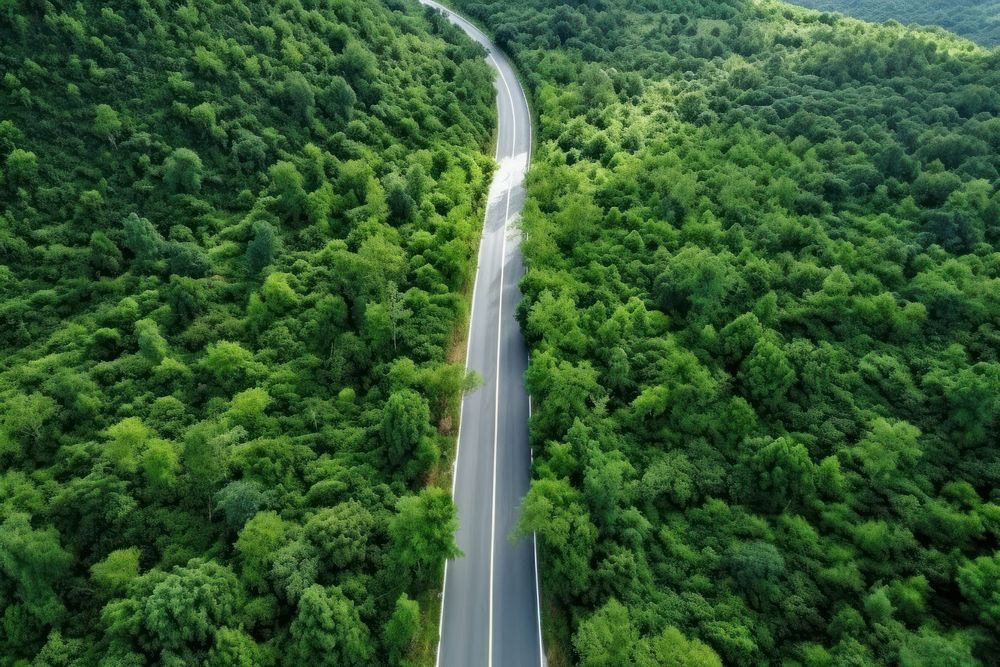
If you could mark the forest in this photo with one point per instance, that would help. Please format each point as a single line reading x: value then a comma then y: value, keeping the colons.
x: 979, y: 20
x: 236, y: 240
x: 763, y: 304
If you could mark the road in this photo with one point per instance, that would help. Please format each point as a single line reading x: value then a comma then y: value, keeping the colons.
x: 490, y: 604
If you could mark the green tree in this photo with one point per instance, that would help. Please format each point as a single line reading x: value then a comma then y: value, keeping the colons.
x: 257, y: 546
x: 230, y: 364
x: 179, y: 609
x: 979, y: 581
x: 107, y: 123
x: 781, y: 474
x: 22, y: 166
x: 204, y: 117
x: 143, y: 240
x: 757, y: 567
x: 182, y: 171
x: 295, y: 569
x: 338, y: 98
x: 127, y: 441
x: 423, y: 530
x: 401, y: 629
x: 239, y: 501
x: 105, y: 257
x: 187, y: 259
x: 205, y: 457
x: 235, y: 648
x: 401, y: 204
x: 262, y: 248
x: 554, y: 511
x: 767, y: 375
x: 671, y: 648
x: 404, y: 432
x: 25, y: 422
x: 342, y: 534
x: 287, y: 186
x: 300, y: 95
x: 248, y: 410
x: 35, y: 562
x: 249, y: 151
x: 117, y: 570
x: 929, y: 649
x: 152, y: 345
x: 607, y: 638
x: 160, y: 464
x: 328, y: 631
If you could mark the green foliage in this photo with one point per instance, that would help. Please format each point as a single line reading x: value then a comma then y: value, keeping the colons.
x: 327, y: 630
x: 256, y: 547
x: 234, y: 648
x: 423, y: 532
x: 126, y: 441
x: 262, y: 248
x: 554, y: 511
x: 107, y: 123
x: 404, y: 432
x: 22, y: 166
x: 979, y: 582
x: 117, y: 570
x: 142, y: 239
x: 762, y: 261
x: 929, y: 649
x: 295, y: 569
x: 609, y: 638
x: 182, y: 171
x: 196, y: 220
x: 238, y: 501
x: 401, y: 629
x: 974, y: 19
x: 175, y: 611
x: 342, y: 533
x: 32, y: 562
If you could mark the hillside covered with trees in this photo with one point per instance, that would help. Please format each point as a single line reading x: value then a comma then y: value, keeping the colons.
x: 763, y: 300
x: 235, y: 239
x: 979, y: 20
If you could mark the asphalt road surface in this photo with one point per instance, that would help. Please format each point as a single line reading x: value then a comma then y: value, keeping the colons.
x: 489, y: 613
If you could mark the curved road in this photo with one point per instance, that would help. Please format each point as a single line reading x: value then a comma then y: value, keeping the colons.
x: 490, y: 604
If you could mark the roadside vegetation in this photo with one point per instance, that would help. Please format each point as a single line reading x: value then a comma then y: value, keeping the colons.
x: 763, y: 299
x: 235, y: 239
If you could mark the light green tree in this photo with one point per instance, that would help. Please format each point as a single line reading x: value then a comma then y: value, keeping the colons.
x: 423, y: 531
x: 401, y: 629
x: 107, y: 123
x: 257, y: 547
x: 127, y: 441
x: 117, y: 570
